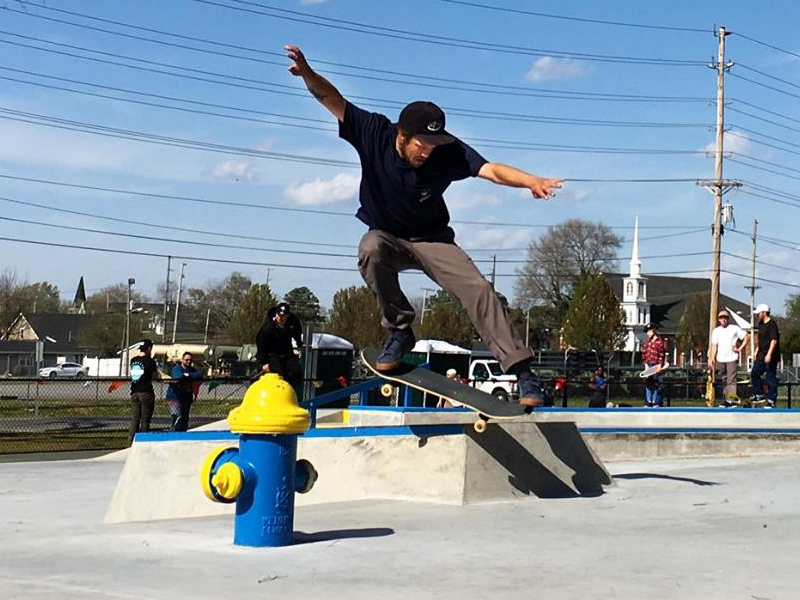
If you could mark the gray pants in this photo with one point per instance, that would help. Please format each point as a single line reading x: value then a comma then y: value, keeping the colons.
x: 726, y: 374
x: 381, y: 256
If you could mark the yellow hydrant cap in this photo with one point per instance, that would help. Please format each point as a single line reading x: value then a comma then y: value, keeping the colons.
x: 269, y: 406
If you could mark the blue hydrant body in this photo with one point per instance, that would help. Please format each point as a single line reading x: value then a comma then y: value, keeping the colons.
x: 262, y: 475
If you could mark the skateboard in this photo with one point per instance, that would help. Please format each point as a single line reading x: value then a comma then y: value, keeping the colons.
x: 652, y: 371
x: 486, y: 405
x: 710, y: 391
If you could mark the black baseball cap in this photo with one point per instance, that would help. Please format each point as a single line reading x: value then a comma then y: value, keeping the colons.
x: 425, y: 121
x: 146, y: 344
x: 283, y: 308
x: 650, y: 326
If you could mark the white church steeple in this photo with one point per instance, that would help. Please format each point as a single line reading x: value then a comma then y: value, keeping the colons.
x: 634, y: 297
x: 636, y: 264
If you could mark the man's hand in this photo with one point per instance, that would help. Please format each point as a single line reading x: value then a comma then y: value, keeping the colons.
x: 265, y: 368
x: 768, y: 358
x: 322, y: 89
x: 300, y: 67
x: 544, y: 187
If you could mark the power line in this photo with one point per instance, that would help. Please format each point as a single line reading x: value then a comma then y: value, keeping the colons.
x: 245, y: 262
x: 482, y: 142
x: 766, y: 44
x: 276, y: 250
x: 762, y: 262
x: 764, y: 169
x: 156, y: 255
x: 209, y: 201
x: 764, y: 85
x: 750, y: 277
x: 762, y: 119
x: 430, y: 81
x: 170, y: 240
x: 428, y: 38
x: 151, y: 138
x: 577, y: 19
x: 227, y: 234
x: 296, y: 91
x: 771, y: 112
x: 767, y: 75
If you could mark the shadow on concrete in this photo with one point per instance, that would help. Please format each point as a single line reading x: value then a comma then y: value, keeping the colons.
x: 634, y: 476
x: 300, y: 537
x: 569, y: 446
x: 546, y: 477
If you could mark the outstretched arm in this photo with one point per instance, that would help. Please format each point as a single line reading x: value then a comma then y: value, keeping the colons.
x: 322, y: 89
x: 540, y: 187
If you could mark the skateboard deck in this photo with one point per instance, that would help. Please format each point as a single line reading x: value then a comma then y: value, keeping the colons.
x: 425, y: 380
x: 652, y: 371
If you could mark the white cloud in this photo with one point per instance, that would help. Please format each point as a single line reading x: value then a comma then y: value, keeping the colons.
x: 734, y: 141
x: 548, y: 68
x: 341, y: 188
x: 236, y: 170
x: 485, y: 236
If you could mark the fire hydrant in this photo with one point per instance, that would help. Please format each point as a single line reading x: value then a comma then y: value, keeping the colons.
x: 262, y: 474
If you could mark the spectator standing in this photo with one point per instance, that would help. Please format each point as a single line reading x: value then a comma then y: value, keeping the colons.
x: 767, y: 357
x: 181, y: 391
x: 142, y: 370
x: 654, y: 354
x: 275, y: 353
x: 598, y: 385
x: 723, y: 354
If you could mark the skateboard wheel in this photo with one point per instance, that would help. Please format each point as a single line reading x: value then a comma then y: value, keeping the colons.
x: 387, y: 389
x: 479, y: 426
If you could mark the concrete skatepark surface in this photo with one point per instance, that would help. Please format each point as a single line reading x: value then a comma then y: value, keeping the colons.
x: 714, y: 528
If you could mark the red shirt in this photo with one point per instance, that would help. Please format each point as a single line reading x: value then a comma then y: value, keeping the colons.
x: 654, y: 351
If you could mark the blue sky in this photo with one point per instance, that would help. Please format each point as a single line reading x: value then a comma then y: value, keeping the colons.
x: 526, y: 65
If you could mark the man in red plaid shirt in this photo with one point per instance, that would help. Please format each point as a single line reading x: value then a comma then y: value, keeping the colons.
x: 654, y: 354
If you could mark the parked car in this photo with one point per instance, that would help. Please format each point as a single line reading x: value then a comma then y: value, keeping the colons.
x: 65, y: 370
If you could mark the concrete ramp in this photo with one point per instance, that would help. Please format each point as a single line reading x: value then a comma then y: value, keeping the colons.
x: 435, y: 463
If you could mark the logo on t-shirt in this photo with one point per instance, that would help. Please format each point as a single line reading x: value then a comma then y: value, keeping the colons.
x: 137, y: 370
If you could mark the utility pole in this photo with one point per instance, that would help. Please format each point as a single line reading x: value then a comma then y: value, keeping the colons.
x: 127, y: 353
x: 753, y: 287
x: 208, y: 318
x: 718, y: 186
x: 178, y: 303
x: 494, y: 270
x: 269, y: 271
x: 424, y: 304
x: 166, y: 302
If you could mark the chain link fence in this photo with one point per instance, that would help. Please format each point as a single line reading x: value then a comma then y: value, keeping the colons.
x: 44, y: 415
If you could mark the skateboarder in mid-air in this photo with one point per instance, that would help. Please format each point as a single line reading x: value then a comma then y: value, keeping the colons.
x: 406, y: 167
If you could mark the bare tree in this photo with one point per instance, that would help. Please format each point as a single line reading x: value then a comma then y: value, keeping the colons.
x: 564, y: 254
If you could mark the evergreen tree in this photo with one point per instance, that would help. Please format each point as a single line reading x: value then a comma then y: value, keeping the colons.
x: 595, y: 320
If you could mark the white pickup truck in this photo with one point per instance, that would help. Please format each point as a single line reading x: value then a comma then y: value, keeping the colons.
x: 488, y: 376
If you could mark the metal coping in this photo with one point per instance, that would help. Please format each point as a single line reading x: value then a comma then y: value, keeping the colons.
x: 326, y: 432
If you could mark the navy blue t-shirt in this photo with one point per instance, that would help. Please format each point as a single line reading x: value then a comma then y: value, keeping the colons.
x: 396, y: 197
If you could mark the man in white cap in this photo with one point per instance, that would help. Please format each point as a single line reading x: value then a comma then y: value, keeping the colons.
x: 727, y: 341
x: 768, y: 354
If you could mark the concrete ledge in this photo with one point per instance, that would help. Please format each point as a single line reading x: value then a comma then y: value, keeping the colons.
x: 616, y: 445
x: 450, y: 464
